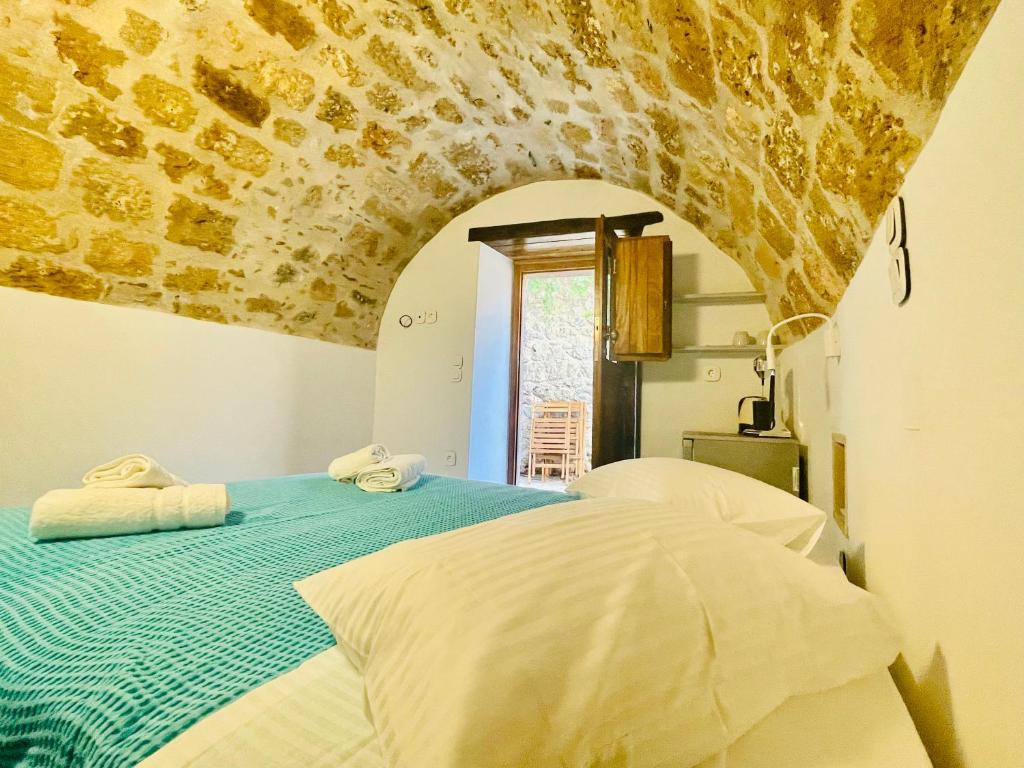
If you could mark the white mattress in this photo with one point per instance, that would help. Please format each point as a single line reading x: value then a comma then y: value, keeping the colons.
x: 313, y: 716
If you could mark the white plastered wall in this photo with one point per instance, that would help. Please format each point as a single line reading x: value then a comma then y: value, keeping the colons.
x: 488, y: 437
x: 83, y: 382
x: 928, y: 396
x: 419, y: 409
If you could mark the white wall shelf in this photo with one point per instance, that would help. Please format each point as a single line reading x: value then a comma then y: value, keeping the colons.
x: 734, y: 297
x: 723, y: 349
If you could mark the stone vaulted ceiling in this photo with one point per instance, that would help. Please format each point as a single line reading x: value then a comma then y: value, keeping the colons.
x: 275, y: 163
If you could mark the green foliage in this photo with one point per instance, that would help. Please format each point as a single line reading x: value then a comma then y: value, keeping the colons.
x: 544, y: 292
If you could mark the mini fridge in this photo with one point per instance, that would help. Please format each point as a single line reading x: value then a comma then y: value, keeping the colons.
x: 772, y: 460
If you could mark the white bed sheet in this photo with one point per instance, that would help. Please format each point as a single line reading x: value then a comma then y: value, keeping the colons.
x: 313, y: 716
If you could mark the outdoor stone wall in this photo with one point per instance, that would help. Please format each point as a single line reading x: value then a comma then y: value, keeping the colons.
x: 556, y: 352
x: 276, y: 163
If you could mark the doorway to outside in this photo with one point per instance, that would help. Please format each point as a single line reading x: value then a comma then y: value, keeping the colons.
x: 555, y: 376
x: 601, y: 423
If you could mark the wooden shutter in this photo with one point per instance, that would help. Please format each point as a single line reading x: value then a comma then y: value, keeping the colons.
x: 642, y: 305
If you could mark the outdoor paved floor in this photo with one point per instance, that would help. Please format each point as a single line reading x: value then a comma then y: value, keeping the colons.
x: 553, y: 483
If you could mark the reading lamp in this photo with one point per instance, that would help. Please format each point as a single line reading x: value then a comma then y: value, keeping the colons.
x: 764, y: 411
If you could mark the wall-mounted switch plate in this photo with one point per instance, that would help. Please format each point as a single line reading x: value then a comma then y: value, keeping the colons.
x: 712, y: 373
x: 431, y: 316
x: 899, y: 258
x: 450, y: 459
x: 421, y: 317
x: 457, y: 361
x: 456, y: 375
x: 899, y: 275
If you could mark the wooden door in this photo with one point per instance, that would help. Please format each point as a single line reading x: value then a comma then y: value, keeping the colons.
x: 642, y: 301
x: 616, y: 426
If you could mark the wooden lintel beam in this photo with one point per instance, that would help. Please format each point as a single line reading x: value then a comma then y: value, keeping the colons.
x: 633, y: 224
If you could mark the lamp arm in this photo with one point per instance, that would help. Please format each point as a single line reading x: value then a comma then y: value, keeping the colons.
x: 831, y: 350
x: 831, y: 343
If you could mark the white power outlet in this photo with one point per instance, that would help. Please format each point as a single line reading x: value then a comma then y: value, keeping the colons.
x: 712, y: 373
x: 450, y: 458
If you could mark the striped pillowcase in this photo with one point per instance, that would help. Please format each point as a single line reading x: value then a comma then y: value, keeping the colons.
x: 591, y: 633
x: 721, y: 493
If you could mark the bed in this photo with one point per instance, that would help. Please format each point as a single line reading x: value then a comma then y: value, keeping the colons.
x: 111, y: 647
x: 860, y: 725
x: 193, y: 647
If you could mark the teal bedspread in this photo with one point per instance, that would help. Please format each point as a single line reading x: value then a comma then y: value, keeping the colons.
x: 109, y: 648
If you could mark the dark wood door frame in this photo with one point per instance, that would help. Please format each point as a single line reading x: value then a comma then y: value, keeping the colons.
x: 556, y: 245
x: 616, y: 410
x: 520, y: 269
x: 512, y: 239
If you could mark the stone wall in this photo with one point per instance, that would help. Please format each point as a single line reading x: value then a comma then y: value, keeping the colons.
x: 556, y: 347
x: 276, y: 163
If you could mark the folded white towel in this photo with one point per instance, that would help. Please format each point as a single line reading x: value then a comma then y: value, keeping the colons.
x: 345, y: 468
x: 84, y: 512
x: 132, y: 471
x: 399, y: 473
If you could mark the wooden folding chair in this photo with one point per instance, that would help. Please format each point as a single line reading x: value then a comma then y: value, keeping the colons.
x: 549, y: 442
x: 558, y: 438
x: 578, y: 438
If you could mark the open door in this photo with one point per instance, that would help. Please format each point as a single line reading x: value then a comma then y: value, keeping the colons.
x: 644, y: 332
x: 616, y: 434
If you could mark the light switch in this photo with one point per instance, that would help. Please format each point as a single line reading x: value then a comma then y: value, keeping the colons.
x: 450, y: 458
x: 421, y: 317
x: 456, y: 375
x: 457, y: 361
x: 712, y: 373
x: 431, y: 316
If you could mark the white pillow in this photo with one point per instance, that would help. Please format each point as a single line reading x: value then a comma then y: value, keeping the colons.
x: 730, y: 496
x: 596, y: 632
